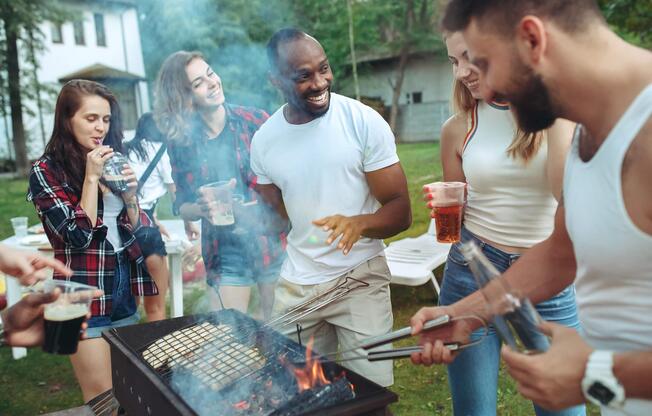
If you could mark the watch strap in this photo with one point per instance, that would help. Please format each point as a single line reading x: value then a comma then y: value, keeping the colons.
x: 600, y: 385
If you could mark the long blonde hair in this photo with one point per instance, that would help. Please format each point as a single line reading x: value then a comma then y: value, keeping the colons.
x: 173, y: 108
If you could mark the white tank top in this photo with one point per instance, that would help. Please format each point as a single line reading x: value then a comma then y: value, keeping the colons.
x: 614, y: 257
x: 112, y: 207
x: 509, y: 202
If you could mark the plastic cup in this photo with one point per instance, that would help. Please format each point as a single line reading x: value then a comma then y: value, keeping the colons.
x: 64, y: 317
x: 20, y: 226
x: 112, y: 173
x: 448, y: 203
x: 517, y: 322
x: 220, y: 195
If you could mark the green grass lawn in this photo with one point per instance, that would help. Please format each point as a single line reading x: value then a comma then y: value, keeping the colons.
x: 44, y: 383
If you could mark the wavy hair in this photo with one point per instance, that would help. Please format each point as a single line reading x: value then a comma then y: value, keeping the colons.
x: 173, y: 107
x: 63, y: 149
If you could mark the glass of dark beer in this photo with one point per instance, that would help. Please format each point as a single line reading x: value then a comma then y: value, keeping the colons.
x: 64, y: 317
x: 448, y: 203
x: 112, y: 173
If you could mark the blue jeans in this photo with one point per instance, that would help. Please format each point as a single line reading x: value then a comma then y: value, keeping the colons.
x: 473, y: 375
x: 123, y: 303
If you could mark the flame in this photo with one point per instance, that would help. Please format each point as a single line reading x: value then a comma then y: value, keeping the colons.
x: 312, y: 375
x: 242, y: 405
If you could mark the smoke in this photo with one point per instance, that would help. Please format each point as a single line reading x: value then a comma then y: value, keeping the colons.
x: 231, y: 35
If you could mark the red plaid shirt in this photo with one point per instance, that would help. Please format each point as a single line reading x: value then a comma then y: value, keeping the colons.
x: 190, y: 170
x: 81, y: 246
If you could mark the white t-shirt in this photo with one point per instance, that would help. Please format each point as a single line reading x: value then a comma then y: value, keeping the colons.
x: 155, y: 187
x: 320, y: 169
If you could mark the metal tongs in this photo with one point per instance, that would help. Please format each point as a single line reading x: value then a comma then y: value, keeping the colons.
x: 403, y: 352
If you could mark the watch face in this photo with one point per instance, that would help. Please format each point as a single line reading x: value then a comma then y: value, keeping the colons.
x: 602, y: 393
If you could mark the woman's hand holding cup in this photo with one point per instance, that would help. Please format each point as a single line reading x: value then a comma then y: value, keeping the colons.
x: 95, y: 160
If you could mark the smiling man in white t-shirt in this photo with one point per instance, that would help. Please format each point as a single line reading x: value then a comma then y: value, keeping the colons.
x: 328, y: 163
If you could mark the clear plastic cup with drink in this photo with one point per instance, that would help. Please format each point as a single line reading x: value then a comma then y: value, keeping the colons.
x: 64, y: 317
x: 448, y: 205
x: 19, y: 225
x: 112, y: 173
x: 219, y: 196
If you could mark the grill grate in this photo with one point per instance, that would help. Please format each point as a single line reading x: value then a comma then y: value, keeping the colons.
x: 153, y: 363
x: 211, y: 353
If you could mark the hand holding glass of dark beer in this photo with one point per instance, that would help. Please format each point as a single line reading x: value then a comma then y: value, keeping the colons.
x: 63, y: 318
x: 447, y: 202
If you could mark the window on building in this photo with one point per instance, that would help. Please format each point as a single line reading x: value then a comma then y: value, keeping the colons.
x: 125, y: 92
x: 55, y: 31
x: 78, y: 27
x: 408, y: 98
x: 417, y: 97
x: 100, y: 34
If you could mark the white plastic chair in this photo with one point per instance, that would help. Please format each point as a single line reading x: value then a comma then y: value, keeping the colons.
x: 413, y: 260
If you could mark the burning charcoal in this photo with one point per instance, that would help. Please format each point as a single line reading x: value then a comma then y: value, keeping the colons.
x: 317, y: 398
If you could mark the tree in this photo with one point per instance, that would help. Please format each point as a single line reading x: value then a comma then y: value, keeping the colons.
x: 397, y: 28
x: 631, y: 18
x: 230, y: 34
x: 20, y: 20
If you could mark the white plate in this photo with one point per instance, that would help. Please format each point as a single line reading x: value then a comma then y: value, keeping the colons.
x: 36, y: 240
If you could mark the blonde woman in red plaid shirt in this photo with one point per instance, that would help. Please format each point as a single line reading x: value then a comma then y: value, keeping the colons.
x: 90, y: 227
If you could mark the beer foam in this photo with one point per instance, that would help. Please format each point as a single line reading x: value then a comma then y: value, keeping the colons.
x: 65, y: 312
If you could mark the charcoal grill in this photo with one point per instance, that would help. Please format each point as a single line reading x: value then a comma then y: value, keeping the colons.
x: 229, y: 359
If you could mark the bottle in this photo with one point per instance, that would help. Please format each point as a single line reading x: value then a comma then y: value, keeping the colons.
x: 515, y: 318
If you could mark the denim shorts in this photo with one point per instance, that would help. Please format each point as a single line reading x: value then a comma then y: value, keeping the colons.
x: 238, y: 265
x: 124, y: 309
x: 473, y: 375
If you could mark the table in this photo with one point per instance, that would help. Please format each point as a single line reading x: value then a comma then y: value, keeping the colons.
x: 174, y: 247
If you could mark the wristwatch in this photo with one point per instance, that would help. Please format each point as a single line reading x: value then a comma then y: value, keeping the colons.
x: 599, y: 384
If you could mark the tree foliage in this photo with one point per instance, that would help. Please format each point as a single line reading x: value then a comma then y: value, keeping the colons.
x: 231, y: 35
x: 631, y: 18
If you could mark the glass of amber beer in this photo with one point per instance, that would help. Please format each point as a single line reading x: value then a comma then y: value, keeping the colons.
x: 448, y: 203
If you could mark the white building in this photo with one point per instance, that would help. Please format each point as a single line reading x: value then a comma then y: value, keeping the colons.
x: 104, y: 46
x: 424, y: 103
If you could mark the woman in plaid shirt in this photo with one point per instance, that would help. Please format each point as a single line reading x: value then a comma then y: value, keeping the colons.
x: 90, y: 227
x: 209, y: 141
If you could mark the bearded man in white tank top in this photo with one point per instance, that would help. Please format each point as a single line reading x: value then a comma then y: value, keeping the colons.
x: 564, y: 53
x: 512, y: 180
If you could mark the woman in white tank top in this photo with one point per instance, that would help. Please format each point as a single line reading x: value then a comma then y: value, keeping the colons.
x: 513, y: 180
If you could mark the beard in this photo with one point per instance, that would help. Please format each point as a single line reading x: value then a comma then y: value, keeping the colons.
x: 300, y: 103
x: 531, y: 101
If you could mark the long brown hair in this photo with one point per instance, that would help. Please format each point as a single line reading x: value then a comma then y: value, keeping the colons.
x: 173, y: 108
x: 63, y: 149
